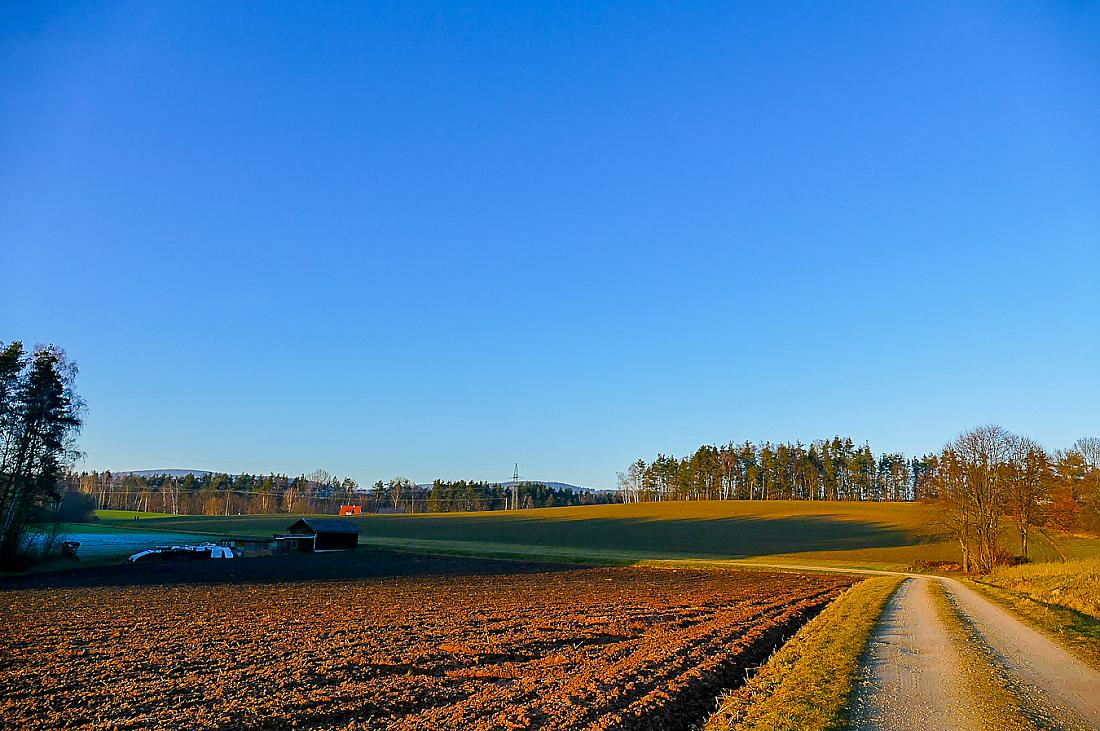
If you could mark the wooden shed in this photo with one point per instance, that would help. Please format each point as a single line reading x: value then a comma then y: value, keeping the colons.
x: 249, y: 545
x: 320, y: 534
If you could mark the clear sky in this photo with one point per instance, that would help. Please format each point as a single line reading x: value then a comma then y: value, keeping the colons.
x: 434, y: 240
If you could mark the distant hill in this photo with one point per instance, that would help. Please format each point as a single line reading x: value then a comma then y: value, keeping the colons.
x: 168, y: 473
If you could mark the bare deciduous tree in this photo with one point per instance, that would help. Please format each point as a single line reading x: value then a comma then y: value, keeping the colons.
x: 954, y: 498
x: 1028, y: 486
x: 979, y: 474
x: 1089, y: 448
x: 632, y: 481
x: 398, y: 487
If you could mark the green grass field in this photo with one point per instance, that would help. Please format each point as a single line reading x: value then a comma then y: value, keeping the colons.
x: 888, y: 536
x: 115, y: 515
x: 109, y: 542
x: 1076, y: 547
x: 865, y: 535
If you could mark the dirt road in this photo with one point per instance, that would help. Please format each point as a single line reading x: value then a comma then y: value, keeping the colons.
x: 913, y: 679
x: 921, y: 672
x: 1053, y: 687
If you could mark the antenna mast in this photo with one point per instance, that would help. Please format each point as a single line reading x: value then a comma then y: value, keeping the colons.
x: 515, y: 487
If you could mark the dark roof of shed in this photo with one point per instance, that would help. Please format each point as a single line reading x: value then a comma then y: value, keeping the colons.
x: 327, y: 525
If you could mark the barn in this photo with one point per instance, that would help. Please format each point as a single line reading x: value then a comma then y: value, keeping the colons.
x: 318, y: 534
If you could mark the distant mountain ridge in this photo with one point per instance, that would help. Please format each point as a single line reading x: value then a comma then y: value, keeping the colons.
x: 548, y: 483
x: 158, y: 473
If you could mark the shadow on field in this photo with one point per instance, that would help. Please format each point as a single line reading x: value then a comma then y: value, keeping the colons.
x: 731, y: 538
x: 359, y: 564
x: 733, y: 529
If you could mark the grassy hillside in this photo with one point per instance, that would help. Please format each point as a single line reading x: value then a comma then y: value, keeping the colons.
x: 873, y: 535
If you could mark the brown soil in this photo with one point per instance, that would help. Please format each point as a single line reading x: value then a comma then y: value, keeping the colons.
x: 295, y: 567
x: 583, y: 649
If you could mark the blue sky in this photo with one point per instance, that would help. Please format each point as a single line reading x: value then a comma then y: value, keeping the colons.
x: 436, y: 239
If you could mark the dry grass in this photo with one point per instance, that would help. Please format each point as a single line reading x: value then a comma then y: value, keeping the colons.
x: 1060, y: 599
x: 806, y: 685
x: 1073, y: 584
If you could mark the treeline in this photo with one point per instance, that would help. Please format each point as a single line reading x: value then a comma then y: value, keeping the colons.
x: 40, y: 415
x: 318, y: 492
x: 401, y: 495
x: 445, y: 497
x: 828, y: 469
x: 219, y: 493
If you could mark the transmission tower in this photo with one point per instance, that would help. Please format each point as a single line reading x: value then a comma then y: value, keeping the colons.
x: 515, y: 487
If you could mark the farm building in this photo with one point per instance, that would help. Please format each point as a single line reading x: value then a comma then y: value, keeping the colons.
x: 318, y: 534
x: 248, y: 546
x: 351, y: 510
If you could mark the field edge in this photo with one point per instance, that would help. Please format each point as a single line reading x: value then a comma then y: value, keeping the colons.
x: 807, y: 684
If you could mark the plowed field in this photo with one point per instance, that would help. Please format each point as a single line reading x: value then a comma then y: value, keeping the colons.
x: 586, y: 649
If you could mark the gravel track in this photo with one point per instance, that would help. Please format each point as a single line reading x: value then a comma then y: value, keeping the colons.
x: 1054, y: 688
x: 914, y: 676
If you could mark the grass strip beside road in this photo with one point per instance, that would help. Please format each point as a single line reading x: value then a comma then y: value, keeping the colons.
x: 1072, y: 584
x: 807, y: 684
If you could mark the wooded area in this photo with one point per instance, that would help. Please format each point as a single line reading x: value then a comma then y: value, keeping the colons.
x: 828, y: 469
x: 982, y: 479
x: 318, y: 492
x: 445, y: 497
x: 218, y: 493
